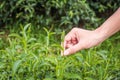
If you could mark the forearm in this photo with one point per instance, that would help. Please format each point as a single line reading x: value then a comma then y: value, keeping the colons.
x: 110, y: 26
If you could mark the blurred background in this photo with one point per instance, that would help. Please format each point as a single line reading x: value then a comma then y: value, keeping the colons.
x: 60, y: 13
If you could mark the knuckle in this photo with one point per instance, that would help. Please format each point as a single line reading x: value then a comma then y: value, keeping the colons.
x: 75, y: 29
x: 66, y: 38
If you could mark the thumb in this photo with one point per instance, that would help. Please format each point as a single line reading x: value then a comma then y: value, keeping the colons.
x: 72, y: 49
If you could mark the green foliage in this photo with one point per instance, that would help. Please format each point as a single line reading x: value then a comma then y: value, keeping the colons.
x: 104, y: 5
x: 34, y: 54
x: 58, y: 12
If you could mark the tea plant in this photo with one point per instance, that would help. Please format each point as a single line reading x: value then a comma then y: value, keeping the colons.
x: 34, y: 54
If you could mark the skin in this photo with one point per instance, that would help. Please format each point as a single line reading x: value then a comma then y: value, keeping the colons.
x: 78, y: 39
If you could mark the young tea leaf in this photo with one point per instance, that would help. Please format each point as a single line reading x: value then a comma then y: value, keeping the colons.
x: 16, y: 66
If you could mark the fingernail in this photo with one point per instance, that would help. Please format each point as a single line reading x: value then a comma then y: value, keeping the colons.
x: 66, y: 53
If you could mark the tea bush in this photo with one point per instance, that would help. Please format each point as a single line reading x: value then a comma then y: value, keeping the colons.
x: 58, y: 12
x: 31, y: 55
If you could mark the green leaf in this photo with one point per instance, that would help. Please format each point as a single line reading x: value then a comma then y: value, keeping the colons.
x: 31, y: 40
x: 15, y: 35
x: 102, y: 53
x: 16, y: 66
x: 48, y: 79
x: 72, y: 76
x: 26, y: 26
x: 46, y: 30
x: 2, y: 4
x: 89, y: 78
x: 2, y: 65
x: 2, y: 32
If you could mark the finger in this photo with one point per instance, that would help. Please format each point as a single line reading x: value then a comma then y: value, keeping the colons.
x: 75, y: 41
x: 72, y: 49
x: 69, y: 42
x: 69, y: 45
x: 68, y: 39
x: 70, y: 35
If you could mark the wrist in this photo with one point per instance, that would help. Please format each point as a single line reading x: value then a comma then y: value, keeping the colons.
x: 101, y: 35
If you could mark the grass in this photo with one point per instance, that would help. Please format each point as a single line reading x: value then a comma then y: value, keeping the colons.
x: 30, y: 53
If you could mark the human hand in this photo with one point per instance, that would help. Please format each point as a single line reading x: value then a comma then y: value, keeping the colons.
x: 78, y: 39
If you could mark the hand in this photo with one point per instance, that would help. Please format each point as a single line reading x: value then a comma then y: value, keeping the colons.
x: 78, y: 39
